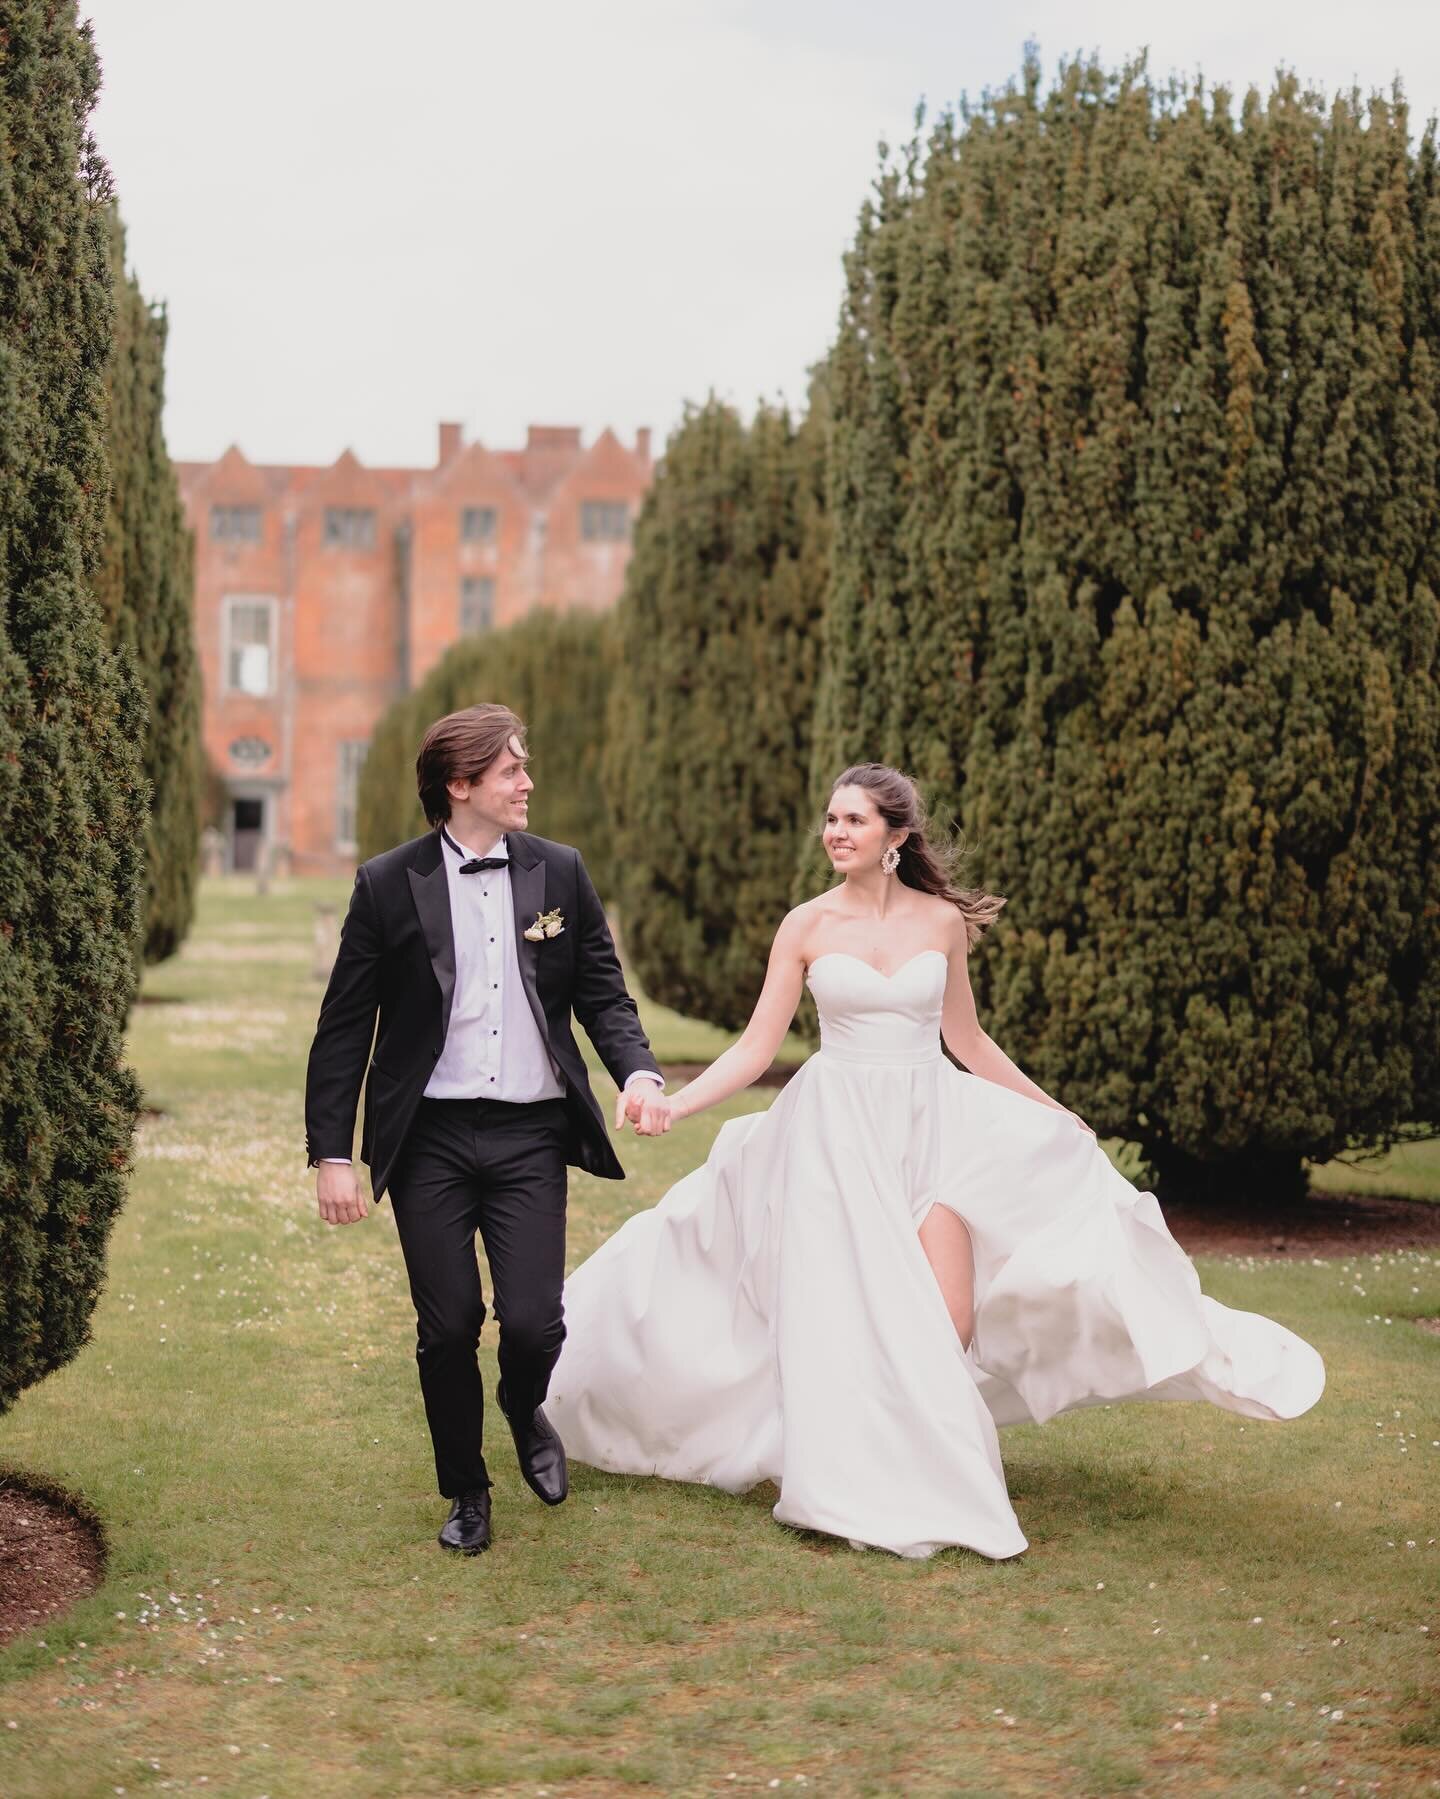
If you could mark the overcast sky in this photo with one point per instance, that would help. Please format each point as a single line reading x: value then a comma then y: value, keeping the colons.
x: 367, y: 217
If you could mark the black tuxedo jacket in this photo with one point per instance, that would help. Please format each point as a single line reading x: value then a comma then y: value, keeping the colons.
x: 397, y: 959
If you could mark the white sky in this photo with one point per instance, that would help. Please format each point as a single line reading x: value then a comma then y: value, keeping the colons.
x: 367, y: 217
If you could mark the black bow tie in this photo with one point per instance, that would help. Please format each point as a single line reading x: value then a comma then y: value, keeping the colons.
x: 477, y: 864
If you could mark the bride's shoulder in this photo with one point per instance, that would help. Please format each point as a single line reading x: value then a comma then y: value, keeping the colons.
x: 799, y: 919
x: 798, y: 924
x: 943, y: 916
x: 814, y: 911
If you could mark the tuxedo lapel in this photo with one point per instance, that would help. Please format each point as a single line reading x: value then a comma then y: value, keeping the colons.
x: 431, y: 893
x: 527, y: 896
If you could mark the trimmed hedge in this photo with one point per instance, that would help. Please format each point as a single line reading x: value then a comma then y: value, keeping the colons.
x: 145, y: 586
x: 1136, y: 489
x: 708, y: 744
x: 73, y: 796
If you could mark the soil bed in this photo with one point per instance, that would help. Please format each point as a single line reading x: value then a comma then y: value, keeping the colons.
x: 1323, y: 1224
x: 675, y: 1072
x: 51, y: 1554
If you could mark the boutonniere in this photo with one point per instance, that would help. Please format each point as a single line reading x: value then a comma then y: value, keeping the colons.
x: 547, y: 924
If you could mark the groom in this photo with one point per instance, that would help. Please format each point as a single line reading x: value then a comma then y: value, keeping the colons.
x: 473, y: 944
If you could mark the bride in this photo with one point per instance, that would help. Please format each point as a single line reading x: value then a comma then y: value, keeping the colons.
x: 860, y: 1283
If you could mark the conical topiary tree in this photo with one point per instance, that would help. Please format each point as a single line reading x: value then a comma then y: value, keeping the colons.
x: 73, y: 800
x: 1136, y: 564
x: 145, y: 587
x: 708, y: 745
x: 551, y: 668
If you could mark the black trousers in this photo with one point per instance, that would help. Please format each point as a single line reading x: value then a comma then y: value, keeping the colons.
x: 481, y: 1165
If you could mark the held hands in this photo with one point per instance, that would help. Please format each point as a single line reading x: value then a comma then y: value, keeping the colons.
x: 338, y: 1190
x: 655, y: 1113
x: 643, y: 1105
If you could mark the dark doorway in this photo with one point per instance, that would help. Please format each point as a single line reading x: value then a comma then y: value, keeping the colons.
x: 247, y: 834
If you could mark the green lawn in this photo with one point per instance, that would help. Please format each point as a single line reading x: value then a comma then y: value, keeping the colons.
x: 1208, y: 1605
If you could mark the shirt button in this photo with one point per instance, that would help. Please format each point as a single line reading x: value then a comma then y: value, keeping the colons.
x: 492, y: 1080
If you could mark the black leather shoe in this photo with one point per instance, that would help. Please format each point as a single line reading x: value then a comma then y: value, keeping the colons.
x: 467, y: 1529
x: 541, y: 1454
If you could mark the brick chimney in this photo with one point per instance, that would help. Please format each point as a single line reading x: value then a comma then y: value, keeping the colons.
x: 642, y: 443
x: 449, y: 444
x: 553, y: 437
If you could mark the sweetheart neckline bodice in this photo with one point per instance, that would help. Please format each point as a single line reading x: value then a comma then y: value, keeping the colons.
x: 850, y: 956
x: 892, y: 1018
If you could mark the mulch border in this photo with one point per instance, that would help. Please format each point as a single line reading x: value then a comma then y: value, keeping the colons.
x: 85, y: 1563
x: 1332, y: 1226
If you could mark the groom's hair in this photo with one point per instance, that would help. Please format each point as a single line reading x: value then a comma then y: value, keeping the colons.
x: 460, y: 747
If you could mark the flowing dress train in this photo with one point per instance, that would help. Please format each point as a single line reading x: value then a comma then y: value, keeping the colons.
x: 774, y: 1317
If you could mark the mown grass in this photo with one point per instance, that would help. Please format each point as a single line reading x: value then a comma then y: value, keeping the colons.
x: 277, y: 1620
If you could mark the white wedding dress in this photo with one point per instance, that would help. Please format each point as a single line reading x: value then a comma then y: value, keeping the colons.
x: 775, y: 1318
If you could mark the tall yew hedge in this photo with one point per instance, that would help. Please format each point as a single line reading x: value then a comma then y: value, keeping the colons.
x: 708, y: 745
x: 145, y: 585
x: 1134, y: 484
x: 553, y: 669
x: 73, y: 798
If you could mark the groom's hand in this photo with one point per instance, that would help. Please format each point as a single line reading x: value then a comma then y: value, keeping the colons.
x: 338, y: 1191
x: 628, y: 1102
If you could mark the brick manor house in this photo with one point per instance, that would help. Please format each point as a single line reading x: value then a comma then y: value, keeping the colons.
x: 323, y: 593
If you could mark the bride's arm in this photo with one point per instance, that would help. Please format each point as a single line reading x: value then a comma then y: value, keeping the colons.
x: 963, y: 1037
x: 754, y: 1050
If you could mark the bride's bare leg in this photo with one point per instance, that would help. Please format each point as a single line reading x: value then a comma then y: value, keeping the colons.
x: 947, y: 1245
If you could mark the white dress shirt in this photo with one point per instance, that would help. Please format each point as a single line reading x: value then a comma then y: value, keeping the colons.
x: 493, y: 1048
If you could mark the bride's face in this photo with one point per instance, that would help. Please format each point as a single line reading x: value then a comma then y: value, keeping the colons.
x: 855, y: 835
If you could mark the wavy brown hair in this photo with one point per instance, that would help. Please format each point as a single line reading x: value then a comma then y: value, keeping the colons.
x: 928, y: 861
x: 459, y: 747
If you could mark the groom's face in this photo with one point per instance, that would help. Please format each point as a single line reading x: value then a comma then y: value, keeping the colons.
x: 501, y: 796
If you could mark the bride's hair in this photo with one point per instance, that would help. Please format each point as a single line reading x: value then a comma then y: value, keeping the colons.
x: 928, y: 861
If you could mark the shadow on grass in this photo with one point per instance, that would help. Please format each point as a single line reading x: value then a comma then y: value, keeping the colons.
x: 1059, y: 1495
x: 595, y: 1483
x: 1196, y: 1509
x: 1089, y: 1493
